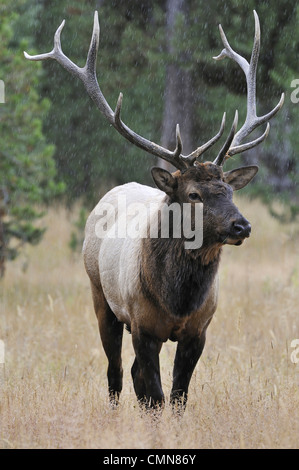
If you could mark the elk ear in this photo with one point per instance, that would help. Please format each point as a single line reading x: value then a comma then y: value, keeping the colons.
x: 240, y: 177
x: 164, y: 180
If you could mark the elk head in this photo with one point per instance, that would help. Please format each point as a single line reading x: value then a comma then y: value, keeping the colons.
x: 193, y: 181
x: 208, y: 184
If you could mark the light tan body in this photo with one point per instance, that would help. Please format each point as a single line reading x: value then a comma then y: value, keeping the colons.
x: 113, y: 265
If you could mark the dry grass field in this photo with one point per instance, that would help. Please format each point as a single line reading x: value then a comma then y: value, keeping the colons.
x: 245, y: 389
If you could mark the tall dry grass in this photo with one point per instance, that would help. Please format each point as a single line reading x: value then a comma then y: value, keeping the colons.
x: 244, y: 392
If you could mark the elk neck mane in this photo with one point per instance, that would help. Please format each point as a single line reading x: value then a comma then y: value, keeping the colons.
x: 182, y: 277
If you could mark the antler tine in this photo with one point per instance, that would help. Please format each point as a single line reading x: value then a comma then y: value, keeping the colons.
x: 222, y: 155
x: 252, y: 121
x: 91, y: 60
x: 242, y: 148
x: 87, y: 73
x: 56, y: 48
x: 174, y: 157
x: 229, y: 52
x: 179, y: 143
x: 200, y: 150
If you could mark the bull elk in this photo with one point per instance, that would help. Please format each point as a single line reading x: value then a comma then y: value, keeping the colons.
x: 154, y: 285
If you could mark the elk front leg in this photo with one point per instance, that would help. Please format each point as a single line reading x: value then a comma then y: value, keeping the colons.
x: 146, y: 369
x: 187, y: 355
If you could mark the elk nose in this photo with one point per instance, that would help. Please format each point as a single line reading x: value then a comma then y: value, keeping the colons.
x: 241, y: 228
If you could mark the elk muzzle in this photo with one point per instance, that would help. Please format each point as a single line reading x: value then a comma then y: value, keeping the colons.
x: 239, y: 230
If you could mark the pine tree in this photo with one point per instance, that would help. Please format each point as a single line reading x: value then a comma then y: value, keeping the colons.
x: 27, y: 169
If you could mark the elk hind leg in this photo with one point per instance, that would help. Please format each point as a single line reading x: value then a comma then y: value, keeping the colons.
x: 111, y: 332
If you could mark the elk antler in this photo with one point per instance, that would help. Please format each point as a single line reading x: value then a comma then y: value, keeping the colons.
x: 252, y: 121
x: 87, y: 75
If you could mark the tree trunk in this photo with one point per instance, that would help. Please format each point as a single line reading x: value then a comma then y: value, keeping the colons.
x: 178, y: 87
x: 3, y: 212
x: 2, y: 249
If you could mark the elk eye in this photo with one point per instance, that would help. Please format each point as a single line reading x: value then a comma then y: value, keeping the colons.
x: 195, y: 197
